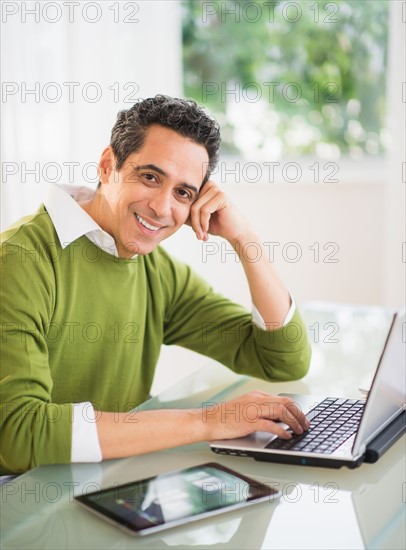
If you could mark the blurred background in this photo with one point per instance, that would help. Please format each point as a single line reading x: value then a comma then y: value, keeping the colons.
x: 311, y: 101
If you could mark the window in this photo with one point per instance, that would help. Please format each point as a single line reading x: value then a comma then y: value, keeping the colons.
x: 290, y: 78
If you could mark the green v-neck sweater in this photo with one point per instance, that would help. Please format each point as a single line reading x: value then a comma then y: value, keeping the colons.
x: 79, y: 324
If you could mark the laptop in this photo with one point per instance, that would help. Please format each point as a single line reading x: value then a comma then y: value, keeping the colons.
x: 343, y: 432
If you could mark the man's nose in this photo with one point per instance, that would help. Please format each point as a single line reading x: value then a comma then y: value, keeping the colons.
x: 161, y: 202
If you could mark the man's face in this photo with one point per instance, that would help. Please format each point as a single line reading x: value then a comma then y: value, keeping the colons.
x: 150, y: 197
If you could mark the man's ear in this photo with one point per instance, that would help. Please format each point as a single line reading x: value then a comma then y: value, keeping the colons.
x: 106, y: 165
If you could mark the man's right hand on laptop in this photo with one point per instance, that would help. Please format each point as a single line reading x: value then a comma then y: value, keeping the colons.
x: 252, y: 412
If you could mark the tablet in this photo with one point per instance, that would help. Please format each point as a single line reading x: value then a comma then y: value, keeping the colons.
x: 176, y: 498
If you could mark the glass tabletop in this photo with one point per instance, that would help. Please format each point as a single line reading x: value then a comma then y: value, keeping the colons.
x: 319, y: 507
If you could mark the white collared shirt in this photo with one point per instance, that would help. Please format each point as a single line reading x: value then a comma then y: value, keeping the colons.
x: 72, y: 222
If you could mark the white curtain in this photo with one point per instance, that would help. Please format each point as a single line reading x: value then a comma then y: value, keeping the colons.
x: 67, y: 69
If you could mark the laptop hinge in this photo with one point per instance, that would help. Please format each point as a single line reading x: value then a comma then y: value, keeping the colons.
x: 361, y: 450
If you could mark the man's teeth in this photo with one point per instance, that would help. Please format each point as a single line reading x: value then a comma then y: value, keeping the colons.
x: 146, y: 224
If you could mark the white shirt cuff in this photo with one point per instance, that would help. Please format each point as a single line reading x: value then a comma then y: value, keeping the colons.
x: 258, y: 320
x: 85, y: 440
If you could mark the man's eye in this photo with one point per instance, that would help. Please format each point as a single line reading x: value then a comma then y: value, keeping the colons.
x: 149, y: 177
x: 184, y: 194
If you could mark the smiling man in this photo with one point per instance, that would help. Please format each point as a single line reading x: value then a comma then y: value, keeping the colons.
x: 88, y: 297
x: 148, y: 197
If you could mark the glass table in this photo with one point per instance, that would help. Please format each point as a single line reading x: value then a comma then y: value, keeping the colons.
x: 319, y: 508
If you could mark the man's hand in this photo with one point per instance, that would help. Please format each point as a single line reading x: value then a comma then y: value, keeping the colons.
x: 254, y: 411
x: 127, y: 434
x: 213, y: 213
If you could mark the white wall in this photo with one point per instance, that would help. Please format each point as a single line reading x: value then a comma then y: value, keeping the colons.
x: 394, y: 259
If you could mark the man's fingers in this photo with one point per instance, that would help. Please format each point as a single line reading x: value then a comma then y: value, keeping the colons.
x: 279, y: 411
x: 272, y: 427
x: 291, y: 414
x: 298, y: 415
x: 201, y: 211
x: 205, y: 215
x: 211, y: 201
x: 257, y: 411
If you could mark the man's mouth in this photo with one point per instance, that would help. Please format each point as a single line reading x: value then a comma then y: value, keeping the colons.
x: 146, y: 224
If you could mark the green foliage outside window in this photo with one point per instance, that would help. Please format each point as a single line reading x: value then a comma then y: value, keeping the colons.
x: 290, y: 78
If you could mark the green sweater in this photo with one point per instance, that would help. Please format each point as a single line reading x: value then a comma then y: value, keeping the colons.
x: 79, y: 324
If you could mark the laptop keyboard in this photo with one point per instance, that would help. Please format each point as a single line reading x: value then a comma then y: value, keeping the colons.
x: 332, y: 422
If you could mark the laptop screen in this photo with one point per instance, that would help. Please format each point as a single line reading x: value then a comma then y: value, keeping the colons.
x: 387, y: 395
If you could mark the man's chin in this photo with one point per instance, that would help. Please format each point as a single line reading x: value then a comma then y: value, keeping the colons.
x: 136, y: 249
x: 143, y: 246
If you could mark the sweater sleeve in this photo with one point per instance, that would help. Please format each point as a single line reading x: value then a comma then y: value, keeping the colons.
x: 33, y: 429
x: 208, y: 323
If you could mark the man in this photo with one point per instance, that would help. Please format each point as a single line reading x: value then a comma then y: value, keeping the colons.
x: 88, y: 298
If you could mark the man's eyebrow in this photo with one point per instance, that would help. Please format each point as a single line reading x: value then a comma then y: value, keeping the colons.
x: 163, y: 173
x: 150, y: 167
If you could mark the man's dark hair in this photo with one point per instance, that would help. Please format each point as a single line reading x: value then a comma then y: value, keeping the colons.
x: 183, y: 116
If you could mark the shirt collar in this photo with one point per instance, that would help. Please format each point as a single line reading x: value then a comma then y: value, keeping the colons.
x: 71, y: 222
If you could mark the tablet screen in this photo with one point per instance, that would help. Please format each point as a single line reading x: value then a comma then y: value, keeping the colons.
x: 176, y: 497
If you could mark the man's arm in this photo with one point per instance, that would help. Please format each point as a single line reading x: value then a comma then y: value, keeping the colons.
x: 268, y: 293
x: 213, y: 213
x: 33, y: 429
x: 128, y: 434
